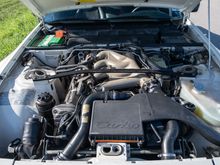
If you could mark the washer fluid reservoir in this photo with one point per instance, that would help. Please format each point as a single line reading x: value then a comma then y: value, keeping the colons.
x: 204, y: 92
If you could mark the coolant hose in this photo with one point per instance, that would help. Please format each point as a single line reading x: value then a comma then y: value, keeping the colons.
x: 172, y: 131
x: 73, y: 146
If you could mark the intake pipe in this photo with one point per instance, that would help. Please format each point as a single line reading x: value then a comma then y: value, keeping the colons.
x: 172, y: 131
x: 73, y: 146
x: 124, y: 83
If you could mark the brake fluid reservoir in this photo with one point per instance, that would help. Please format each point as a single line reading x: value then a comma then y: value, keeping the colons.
x: 204, y: 92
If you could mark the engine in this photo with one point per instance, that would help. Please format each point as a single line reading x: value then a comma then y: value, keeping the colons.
x: 124, y: 101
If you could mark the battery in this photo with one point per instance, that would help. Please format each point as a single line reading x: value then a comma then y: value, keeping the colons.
x: 50, y: 40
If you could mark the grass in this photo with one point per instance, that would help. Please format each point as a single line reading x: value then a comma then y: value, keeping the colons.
x: 16, y: 21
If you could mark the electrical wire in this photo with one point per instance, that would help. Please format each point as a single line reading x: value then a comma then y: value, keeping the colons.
x: 72, y: 69
x: 72, y: 117
x: 15, y: 158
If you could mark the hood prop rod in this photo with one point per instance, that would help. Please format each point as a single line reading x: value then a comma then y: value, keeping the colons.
x: 209, y: 34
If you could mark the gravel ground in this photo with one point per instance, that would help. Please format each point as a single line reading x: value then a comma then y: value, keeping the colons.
x: 201, y: 20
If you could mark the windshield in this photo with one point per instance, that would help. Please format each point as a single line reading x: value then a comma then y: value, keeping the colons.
x: 113, y: 13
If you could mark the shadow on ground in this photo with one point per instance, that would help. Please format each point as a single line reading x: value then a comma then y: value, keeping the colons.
x: 215, y: 38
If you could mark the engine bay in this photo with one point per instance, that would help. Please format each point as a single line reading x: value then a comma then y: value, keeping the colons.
x: 140, y: 94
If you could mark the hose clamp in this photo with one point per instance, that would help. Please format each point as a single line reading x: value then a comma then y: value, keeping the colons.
x: 167, y: 155
x: 61, y: 156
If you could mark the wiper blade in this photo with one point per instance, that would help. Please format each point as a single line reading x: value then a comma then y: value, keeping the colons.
x: 114, y: 19
x: 72, y: 21
x: 141, y: 18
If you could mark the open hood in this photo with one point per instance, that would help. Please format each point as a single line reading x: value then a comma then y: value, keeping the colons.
x: 43, y: 7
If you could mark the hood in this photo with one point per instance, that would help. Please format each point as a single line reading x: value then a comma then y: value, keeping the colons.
x: 43, y: 7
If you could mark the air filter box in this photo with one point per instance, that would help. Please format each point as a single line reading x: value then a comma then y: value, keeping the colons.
x: 116, y: 121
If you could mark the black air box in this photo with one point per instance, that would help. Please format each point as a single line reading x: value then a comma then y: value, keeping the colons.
x: 116, y: 121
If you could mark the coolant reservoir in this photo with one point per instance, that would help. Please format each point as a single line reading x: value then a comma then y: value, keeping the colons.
x: 204, y: 92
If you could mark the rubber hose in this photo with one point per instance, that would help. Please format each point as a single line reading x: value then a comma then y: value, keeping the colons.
x: 172, y: 131
x: 73, y: 146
